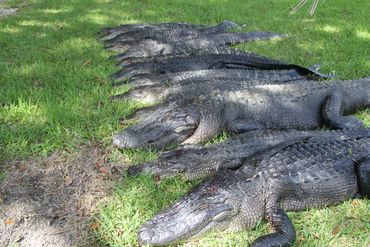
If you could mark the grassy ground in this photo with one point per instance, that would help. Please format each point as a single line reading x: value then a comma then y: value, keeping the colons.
x: 54, y: 93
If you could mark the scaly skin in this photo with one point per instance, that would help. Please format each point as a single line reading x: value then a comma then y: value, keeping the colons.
x: 239, y: 60
x: 194, y: 161
x: 309, y: 174
x: 304, y: 105
x: 150, y: 47
x: 109, y: 33
x: 193, y: 87
x: 171, y: 78
x: 138, y: 38
x: 124, y: 61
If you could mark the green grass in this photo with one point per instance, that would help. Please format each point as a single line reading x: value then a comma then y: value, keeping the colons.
x: 54, y: 93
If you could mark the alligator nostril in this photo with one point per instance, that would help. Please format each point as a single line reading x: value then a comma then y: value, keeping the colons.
x: 145, y: 236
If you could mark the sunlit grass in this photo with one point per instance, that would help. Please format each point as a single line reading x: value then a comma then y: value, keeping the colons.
x: 55, y: 85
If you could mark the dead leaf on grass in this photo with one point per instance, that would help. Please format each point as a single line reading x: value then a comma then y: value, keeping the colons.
x: 87, y: 62
x: 22, y: 167
x: 9, y: 222
x: 103, y: 170
x: 335, y: 230
x: 355, y: 202
x: 68, y: 180
x: 94, y: 225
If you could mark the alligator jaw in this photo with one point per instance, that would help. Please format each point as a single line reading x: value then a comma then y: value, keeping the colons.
x: 203, y: 209
x: 161, y: 128
x: 182, y: 224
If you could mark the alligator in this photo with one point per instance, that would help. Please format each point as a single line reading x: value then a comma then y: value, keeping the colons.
x: 110, y: 33
x: 129, y: 39
x: 196, y: 161
x: 295, y: 105
x: 230, y: 60
x: 149, y: 47
x: 194, y: 87
x: 124, y: 61
x: 172, y: 78
x: 308, y: 174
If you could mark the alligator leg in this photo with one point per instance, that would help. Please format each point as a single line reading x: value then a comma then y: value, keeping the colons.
x: 210, y: 124
x: 241, y: 125
x: 285, y: 232
x: 363, y: 177
x: 333, y: 113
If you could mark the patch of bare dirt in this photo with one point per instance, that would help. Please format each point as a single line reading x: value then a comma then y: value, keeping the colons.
x: 51, y: 201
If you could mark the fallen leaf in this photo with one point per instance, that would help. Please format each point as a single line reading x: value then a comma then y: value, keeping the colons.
x: 355, y: 202
x: 9, y: 222
x: 94, y: 225
x: 103, y: 170
x: 87, y: 62
x: 335, y: 230
x: 22, y: 167
x: 67, y: 180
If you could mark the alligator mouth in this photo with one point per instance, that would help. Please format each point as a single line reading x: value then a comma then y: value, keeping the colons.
x: 169, y: 230
x: 158, y: 130
x: 205, y: 208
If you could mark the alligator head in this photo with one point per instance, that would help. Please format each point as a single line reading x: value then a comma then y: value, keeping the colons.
x: 189, y: 161
x: 216, y: 204
x: 161, y: 127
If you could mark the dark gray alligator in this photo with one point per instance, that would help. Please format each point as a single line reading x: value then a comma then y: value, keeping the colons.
x: 308, y: 174
x: 303, y: 105
x: 194, y: 161
x: 138, y: 38
x: 230, y: 60
x: 123, y: 60
x: 194, y: 87
x: 148, y: 48
x: 172, y: 78
x: 135, y: 29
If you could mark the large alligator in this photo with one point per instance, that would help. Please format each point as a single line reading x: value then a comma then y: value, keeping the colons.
x: 133, y: 29
x: 228, y: 60
x: 149, y: 47
x: 308, y: 174
x: 296, y: 105
x: 172, y: 78
x: 164, y: 36
x: 194, y: 87
x: 194, y: 161
x: 123, y: 60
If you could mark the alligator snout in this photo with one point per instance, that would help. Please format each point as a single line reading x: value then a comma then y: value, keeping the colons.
x: 125, y: 140
x: 145, y: 236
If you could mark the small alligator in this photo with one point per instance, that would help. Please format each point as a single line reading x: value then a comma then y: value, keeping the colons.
x: 230, y: 60
x: 194, y: 161
x: 309, y: 174
x: 295, y: 105
x: 172, y: 78
x: 133, y: 29
x: 138, y: 38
